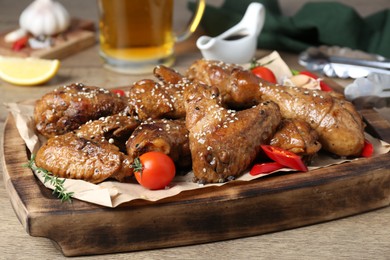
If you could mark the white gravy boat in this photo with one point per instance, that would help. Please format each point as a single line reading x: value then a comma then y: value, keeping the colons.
x: 238, y: 44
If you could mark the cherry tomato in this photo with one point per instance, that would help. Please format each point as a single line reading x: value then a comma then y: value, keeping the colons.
x: 323, y: 85
x: 119, y: 92
x: 263, y: 168
x: 368, y: 149
x: 284, y: 157
x: 154, y: 170
x: 264, y: 73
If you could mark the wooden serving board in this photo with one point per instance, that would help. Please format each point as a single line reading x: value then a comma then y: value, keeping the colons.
x: 238, y: 209
x: 80, y: 35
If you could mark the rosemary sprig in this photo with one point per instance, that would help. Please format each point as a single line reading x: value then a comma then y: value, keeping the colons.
x: 255, y: 64
x: 58, y: 184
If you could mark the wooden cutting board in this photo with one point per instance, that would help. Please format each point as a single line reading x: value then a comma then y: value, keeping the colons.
x: 80, y: 35
x: 238, y: 209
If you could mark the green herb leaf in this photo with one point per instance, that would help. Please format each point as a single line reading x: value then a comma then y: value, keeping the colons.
x: 294, y: 72
x: 58, y: 183
x: 137, y: 165
x: 255, y: 64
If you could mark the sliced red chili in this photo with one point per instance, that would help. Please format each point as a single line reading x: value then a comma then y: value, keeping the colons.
x: 284, y: 157
x: 368, y: 149
x: 265, y: 73
x: 264, y: 168
x: 20, y: 43
x: 323, y: 85
x: 119, y: 92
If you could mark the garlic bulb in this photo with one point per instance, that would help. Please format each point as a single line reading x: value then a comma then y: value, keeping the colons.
x: 302, y: 81
x: 44, y: 17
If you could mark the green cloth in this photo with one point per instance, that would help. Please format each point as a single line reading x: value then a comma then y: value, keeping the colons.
x: 320, y: 23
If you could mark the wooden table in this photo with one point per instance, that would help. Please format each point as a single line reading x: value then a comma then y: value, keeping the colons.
x: 365, y: 236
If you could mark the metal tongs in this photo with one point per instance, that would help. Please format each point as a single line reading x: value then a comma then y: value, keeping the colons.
x: 343, y: 62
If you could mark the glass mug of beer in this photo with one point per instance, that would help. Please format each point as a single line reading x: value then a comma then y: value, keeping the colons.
x: 137, y: 35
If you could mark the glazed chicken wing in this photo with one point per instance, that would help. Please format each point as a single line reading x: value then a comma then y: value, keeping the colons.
x: 156, y: 100
x: 166, y: 136
x: 69, y: 156
x: 298, y: 137
x: 115, y: 129
x: 149, y: 99
x: 238, y: 88
x: 170, y: 76
x: 68, y: 107
x: 340, y: 127
x: 225, y: 142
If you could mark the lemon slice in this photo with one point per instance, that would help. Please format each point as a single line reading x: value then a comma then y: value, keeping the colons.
x: 27, y: 71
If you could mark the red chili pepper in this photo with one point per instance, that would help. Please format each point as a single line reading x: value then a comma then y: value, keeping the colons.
x: 264, y: 73
x: 284, y: 157
x: 264, y: 168
x: 368, y: 149
x: 119, y: 92
x: 323, y: 85
x: 20, y: 43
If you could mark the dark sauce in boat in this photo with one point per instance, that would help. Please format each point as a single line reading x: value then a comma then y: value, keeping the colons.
x: 235, y: 37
